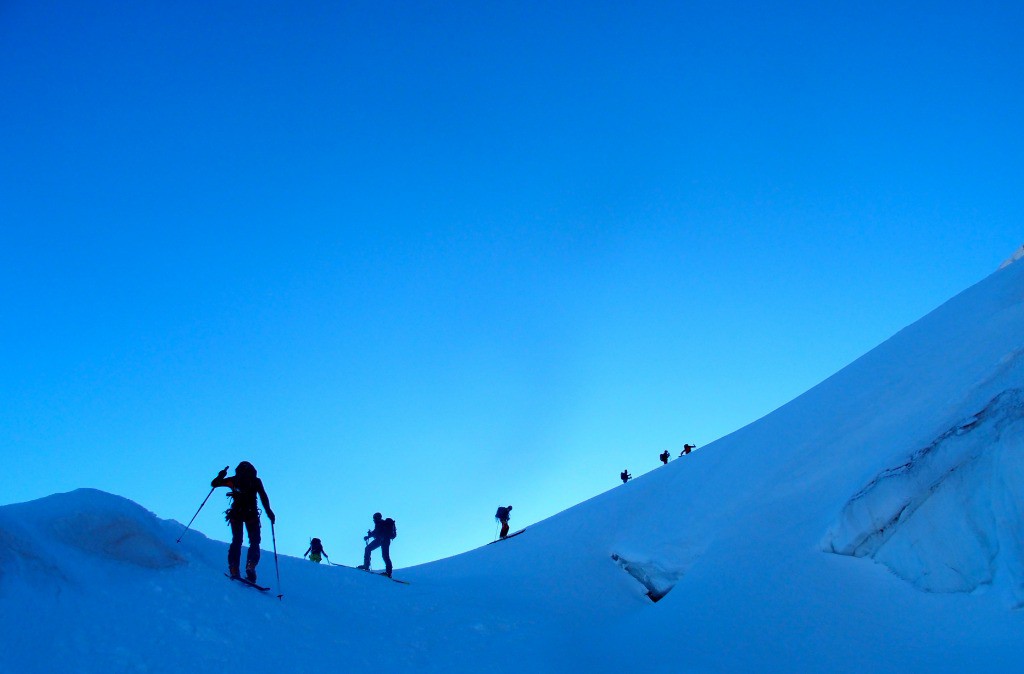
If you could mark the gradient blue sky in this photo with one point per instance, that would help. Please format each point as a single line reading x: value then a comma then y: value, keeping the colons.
x: 429, y: 258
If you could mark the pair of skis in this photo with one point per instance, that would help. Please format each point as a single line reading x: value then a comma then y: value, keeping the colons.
x: 507, y: 537
x: 376, y: 573
x: 247, y: 582
x: 381, y: 573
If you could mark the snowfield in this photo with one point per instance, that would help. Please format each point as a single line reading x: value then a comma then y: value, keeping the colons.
x: 872, y: 524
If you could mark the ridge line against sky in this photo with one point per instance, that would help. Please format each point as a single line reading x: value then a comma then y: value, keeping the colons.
x: 497, y: 254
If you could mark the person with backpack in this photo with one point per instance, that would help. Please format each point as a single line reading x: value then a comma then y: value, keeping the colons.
x: 384, y: 531
x: 626, y: 477
x: 245, y: 486
x: 316, y: 549
x: 664, y: 456
x: 687, y: 449
x: 503, y: 515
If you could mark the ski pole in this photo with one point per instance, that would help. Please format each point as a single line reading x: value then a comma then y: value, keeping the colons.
x: 273, y: 537
x: 189, y: 525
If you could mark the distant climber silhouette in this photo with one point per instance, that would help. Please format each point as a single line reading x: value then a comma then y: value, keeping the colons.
x: 316, y: 549
x: 383, y: 533
x: 503, y: 515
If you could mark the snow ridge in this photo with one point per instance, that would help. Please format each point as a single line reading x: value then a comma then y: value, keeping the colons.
x: 1017, y: 254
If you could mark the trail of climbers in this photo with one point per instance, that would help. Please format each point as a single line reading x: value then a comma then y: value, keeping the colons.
x: 247, y: 492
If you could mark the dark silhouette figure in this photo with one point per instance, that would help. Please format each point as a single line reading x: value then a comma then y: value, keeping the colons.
x: 383, y: 533
x: 504, y: 515
x: 626, y: 477
x: 664, y: 456
x: 244, y: 513
x: 316, y: 549
x: 687, y: 449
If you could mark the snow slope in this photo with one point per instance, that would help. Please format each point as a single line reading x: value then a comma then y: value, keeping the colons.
x: 872, y: 524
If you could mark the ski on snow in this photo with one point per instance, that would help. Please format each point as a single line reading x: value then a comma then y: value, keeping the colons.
x: 381, y: 573
x: 507, y: 537
x: 376, y: 573
x: 247, y: 583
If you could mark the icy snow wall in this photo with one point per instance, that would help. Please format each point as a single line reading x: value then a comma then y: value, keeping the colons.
x: 950, y: 518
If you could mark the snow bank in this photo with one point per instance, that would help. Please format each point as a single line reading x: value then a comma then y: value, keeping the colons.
x: 86, y: 520
x: 117, y: 530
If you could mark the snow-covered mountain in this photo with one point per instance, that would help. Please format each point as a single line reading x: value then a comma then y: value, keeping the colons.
x: 872, y: 524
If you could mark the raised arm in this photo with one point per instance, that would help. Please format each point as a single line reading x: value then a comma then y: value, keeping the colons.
x: 221, y: 480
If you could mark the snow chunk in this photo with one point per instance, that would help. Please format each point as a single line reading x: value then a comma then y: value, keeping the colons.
x: 653, y: 575
x: 949, y: 518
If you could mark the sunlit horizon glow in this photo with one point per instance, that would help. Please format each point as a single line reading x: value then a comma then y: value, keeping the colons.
x: 432, y: 260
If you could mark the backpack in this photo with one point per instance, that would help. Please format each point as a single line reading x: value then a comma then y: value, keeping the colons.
x: 390, y: 528
x: 502, y: 513
x: 316, y: 546
x: 245, y: 487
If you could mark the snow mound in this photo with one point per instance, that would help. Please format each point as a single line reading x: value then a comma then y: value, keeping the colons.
x: 89, y: 521
x: 116, y: 537
x: 949, y: 519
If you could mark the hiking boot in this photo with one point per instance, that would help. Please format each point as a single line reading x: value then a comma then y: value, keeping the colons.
x: 250, y: 575
x: 233, y: 572
x: 387, y: 573
x: 364, y: 567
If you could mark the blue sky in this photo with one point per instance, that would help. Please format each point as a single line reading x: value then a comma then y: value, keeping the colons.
x: 432, y: 259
